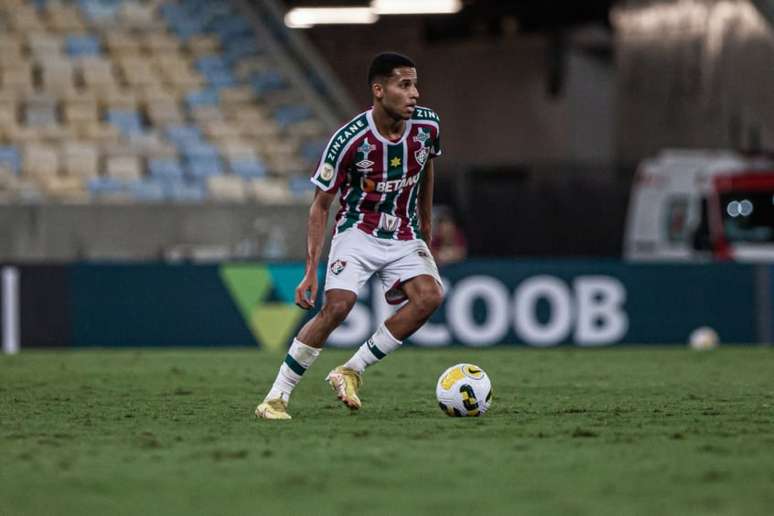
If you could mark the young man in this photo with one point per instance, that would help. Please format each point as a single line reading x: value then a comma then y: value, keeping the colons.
x: 381, y: 164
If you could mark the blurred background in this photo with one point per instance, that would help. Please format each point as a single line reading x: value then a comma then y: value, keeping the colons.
x: 606, y: 177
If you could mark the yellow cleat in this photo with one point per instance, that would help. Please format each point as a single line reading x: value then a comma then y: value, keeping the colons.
x: 345, y: 383
x: 273, y: 409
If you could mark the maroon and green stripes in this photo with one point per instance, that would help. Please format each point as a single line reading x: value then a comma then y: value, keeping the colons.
x: 379, y: 180
x: 411, y: 211
x: 396, y: 169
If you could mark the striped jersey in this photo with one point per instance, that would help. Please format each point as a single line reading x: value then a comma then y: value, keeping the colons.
x: 378, y: 179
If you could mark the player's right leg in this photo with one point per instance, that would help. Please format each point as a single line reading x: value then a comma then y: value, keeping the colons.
x: 304, y: 351
x: 352, y: 260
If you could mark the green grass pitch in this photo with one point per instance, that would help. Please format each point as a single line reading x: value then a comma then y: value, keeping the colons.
x: 571, y: 432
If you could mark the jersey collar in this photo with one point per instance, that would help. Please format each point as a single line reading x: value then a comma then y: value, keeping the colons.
x: 378, y: 135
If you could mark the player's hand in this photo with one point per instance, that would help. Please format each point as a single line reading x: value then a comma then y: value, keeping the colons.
x: 306, y: 291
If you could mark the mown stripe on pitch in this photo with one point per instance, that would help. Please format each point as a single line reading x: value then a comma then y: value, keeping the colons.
x: 293, y: 365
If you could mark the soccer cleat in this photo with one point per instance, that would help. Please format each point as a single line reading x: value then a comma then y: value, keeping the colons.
x: 273, y: 409
x: 345, y: 383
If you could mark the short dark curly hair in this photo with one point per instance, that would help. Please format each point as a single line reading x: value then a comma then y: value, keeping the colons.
x: 383, y: 64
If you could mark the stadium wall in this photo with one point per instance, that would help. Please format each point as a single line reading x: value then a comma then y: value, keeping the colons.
x: 693, y: 74
x: 116, y: 231
x: 488, y: 303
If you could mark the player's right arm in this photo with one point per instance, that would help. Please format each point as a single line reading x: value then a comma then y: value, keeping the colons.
x: 306, y: 292
x: 330, y: 173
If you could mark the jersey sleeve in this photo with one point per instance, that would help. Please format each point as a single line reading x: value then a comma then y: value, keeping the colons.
x: 435, y: 147
x: 338, y: 154
x: 427, y: 116
x: 331, y: 170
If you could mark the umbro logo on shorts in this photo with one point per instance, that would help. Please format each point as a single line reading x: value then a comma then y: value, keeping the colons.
x: 338, y: 266
x: 423, y: 254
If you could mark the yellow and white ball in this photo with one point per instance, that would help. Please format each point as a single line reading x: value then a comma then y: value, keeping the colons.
x: 464, y: 390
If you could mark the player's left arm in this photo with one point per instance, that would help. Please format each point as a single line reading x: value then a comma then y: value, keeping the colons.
x: 425, y: 204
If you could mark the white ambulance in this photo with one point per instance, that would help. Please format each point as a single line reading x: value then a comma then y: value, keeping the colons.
x: 689, y: 205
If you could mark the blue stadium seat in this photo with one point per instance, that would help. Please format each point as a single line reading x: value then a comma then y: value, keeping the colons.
x: 239, y: 48
x: 184, y: 191
x: 230, y: 27
x: 300, y: 186
x: 9, y: 157
x: 170, y: 11
x: 211, y: 63
x: 291, y: 114
x: 78, y: 45
x: 311, y: 150
x: 147, y: 190
x: 188, y: 19
x: 96, y: 10
x: 222, y: 8
x: 194, y: 5
x: 267, y: 81
x: 184, y: 135
x: 99, y: 186
x: 128, y: 122
x: 206, y: 97
x: 181, y: 21
x: 199, y: 150
x: 185, y: 30
x: 165, y: 168
x: 40, y: 116
x: 202, y: 167
x: 248, y: 168
x: 218, y: 78
x: 223, y: 79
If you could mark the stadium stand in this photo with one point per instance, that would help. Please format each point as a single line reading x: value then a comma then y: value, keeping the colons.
x: 147, y: 101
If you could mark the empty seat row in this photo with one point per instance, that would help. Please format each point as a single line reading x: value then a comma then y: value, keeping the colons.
x: 83, y: 160
x: 161, y: 96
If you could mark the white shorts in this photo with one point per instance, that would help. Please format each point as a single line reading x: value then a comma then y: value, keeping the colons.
x: 356, y: 256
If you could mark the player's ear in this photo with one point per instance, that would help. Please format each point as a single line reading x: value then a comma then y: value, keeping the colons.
x: 377, y: 90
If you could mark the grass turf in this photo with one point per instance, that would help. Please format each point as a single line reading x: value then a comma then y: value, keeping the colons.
x: 616, y: 431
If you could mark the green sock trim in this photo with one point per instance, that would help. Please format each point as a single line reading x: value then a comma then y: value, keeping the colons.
x: 294, y: 366
x: 374, y: 350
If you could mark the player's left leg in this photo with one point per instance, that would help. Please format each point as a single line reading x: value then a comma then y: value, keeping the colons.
x: 409, y: 273
x: 424, y: 295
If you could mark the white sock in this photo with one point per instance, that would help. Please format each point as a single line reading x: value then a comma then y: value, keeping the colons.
x: 374, y: 349
x: 299, y: 358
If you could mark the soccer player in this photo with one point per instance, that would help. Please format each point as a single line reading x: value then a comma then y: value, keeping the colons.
x: 380, y: 163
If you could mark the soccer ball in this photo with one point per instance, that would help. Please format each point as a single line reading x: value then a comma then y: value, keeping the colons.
x: 464, y: 390
x: 703, y: 339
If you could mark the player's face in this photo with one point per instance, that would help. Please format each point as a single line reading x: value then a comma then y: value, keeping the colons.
x: 398, y: 94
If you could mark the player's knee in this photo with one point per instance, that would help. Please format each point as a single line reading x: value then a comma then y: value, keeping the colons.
x: 336, y: 310
x: 430, y: 298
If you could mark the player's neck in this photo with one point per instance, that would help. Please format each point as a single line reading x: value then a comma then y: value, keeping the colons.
x: 388, y: 127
